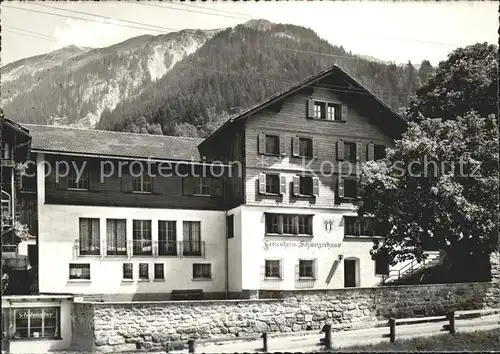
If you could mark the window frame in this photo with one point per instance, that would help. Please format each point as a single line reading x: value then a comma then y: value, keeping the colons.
x: 319, y: 107
x: 156, y: 273
x: 347, y: 181
x: 72, y: 178
x: 167, y: 238
x: 94, y: 241
x: 377, y: 150
x: 125, y: 271
x: 313, y: 269
x: 277, y: 140
x: 84, y: 267
x: 349, y: 147
x: 270, y: 218
x: 143, y: 266
x: 271, y: 176
x: 302, y: 188
x: 361, y: 224
x: 337, y: 112
x: 142, y: 240
x: 110, y: 251
x: 141, y: 181
x: 310, y: 147
x: 203, y: 266
x: 57, y: 327
x: 269, y: 275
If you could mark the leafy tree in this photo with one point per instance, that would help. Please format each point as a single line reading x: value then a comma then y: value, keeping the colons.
x: 438, y: 187
x: 467, y: 80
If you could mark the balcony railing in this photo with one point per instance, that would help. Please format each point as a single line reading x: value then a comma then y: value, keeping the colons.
x: 193, y: 248
x: 166, y: 248
x: 142, y: 248
x: 161, y: 248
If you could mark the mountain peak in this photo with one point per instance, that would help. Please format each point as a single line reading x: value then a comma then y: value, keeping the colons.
x: 259, y: 24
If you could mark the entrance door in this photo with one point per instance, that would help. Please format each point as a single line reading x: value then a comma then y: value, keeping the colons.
x: 350, y: 273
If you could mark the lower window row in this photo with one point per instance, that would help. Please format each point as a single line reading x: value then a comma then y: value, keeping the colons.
x: 81, y: 271
x: 305, y: 269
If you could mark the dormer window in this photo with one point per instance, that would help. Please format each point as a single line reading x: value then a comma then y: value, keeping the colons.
x: 324, y: 110
x: 319, y: 110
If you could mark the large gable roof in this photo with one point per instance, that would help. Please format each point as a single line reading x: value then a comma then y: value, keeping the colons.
x: 57, y: 139
x: 302, y: 84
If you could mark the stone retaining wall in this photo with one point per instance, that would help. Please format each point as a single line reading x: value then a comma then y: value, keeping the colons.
x: 131, y: 326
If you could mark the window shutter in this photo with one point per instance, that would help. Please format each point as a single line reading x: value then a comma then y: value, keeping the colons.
x: 358, y: 151
x: 296, y: 225
x: 282, y: 185
x: 315, y: 269
x: 62, y: 183
x: 282, y: 145
x: 370, y: 152
x: 315, y: 181
x: 126, y: 183
x: 262, y: 183
x: 156, y: 181
x: 341, y: 187
x: 343, y: 116
x: 262, y: 143
x: 340, y: 150
x: 281, y: 268
x: 280, y: 224
x: 295, y: 146
x: 188, y: 185
x: 315, y: 148
x: 94, y: 183
x: 310, y: 108
x: 296, y: 185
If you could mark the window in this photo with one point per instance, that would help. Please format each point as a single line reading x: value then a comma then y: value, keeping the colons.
x: 116, y: 237
x: 202, y: 186
x: 202, y: 271
x: 143, y: 271
x: 382, y: 263
x: 191, y: 238
x: 273, y: 269
x: 272, y: 184
x: 305, y: 147
x: 319, y: 110
x: 79, y: 271
x: 142, y: 183
x: 230, y: 226
x: 355, y: 226
x: 350, y: 188
x: 306, y: 268
x: 350, y: 151
x: 288, y: 224
x: 37, y: 322
x: 305, y: 224
x: 167, y: 238
x: 334, y: 112
x: 378, y: 152
x: 305, y: 185
x: 90, y: 243
x: 272, y: 145
x: 128, y: 269
x: 159, y: 273
x: 141, y: 234
x: 76, y: 181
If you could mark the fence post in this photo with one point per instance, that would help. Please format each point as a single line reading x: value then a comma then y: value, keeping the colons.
x: 392, y: 330
x: 264, y: 340
x: 191, y: 345
x: 451, y: 319
x: 327, y: 328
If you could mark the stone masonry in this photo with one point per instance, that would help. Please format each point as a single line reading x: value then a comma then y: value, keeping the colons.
x: 130, y: 326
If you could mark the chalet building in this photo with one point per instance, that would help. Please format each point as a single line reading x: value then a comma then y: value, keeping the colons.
x: 267, y: 202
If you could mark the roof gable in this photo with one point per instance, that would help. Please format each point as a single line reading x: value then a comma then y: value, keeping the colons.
x: 360, y: 89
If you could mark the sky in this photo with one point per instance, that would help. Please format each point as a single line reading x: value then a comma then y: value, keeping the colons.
x: 390, y: 31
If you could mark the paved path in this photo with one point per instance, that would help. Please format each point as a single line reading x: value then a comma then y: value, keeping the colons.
x: 310, y: 343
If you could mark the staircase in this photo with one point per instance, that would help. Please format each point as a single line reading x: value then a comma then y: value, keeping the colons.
x: 414, y: 270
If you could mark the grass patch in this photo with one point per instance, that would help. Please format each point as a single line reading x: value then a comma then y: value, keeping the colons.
x: 481, y: 341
